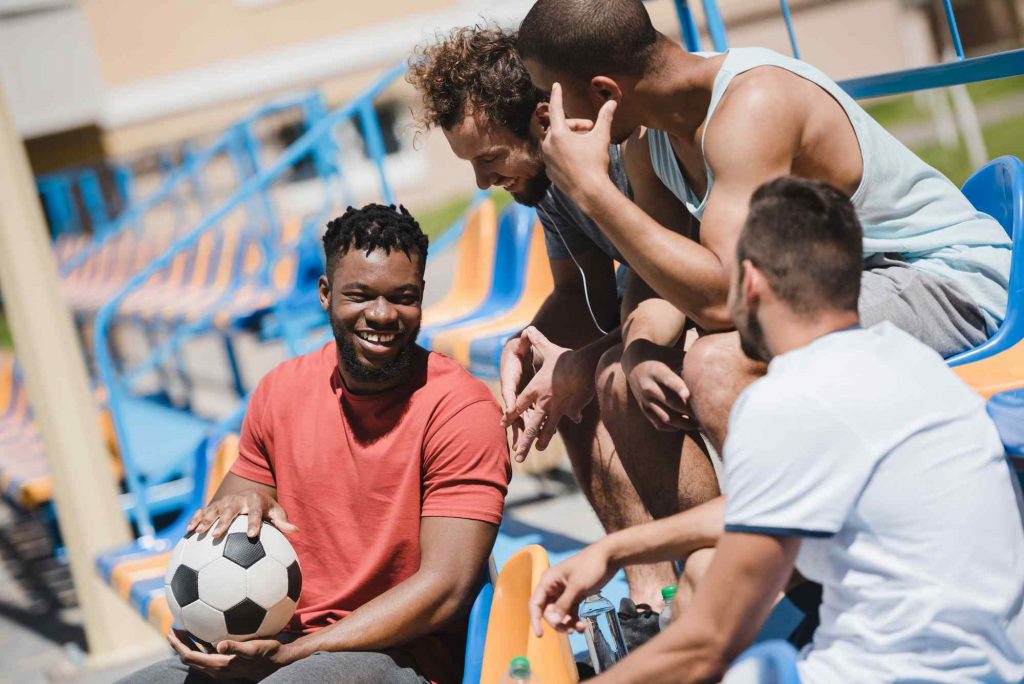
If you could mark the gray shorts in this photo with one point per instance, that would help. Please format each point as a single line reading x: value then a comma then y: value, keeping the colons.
x: 320, y: 668
x: 932, y: 309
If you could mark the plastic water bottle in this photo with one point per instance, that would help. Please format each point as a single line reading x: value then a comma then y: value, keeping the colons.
x: 603, y: 633
x: 668, y: 593
x: 519, y: 673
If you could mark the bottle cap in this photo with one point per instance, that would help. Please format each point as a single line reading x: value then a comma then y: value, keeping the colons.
x: 519, y: 665
x: 668, y: 593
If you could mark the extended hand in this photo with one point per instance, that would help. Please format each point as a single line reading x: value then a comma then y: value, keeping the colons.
x: 249, y: 660
x: 514, y: 370
x: 576, y: 150
x: 656, y: 384
x: 562, y: 385
x: 257, y: 505
x: 562, y: 588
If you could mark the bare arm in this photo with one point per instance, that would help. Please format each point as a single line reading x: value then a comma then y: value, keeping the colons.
x: 454, y: 552
x: 692, y: 275
x: 563, y: 317
x: 731, y: 604
x: 561, y: 588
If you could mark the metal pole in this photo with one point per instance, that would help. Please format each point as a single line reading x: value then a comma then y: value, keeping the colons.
x: 789, y: 28
x: 85, y: 496
x: 716, y: 27
x: 691, y: 37
x: 954, y: 32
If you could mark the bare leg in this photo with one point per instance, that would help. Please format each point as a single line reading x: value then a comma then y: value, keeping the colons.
x: 632, y: 473
x: 716, y: 370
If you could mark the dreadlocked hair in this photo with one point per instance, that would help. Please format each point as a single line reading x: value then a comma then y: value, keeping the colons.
x: 374, y: 226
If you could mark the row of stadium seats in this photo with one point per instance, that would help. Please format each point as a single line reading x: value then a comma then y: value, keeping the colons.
x: 476, y: 316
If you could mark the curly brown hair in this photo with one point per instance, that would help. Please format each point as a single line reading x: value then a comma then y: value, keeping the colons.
x: 478, y: 66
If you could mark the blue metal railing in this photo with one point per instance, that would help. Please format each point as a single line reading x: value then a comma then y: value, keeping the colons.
x: 962, y: 70
x: 311, y: 142
x: 235, y: 141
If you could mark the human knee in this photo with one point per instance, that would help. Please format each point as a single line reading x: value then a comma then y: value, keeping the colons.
x: 711, y: 358
x: 352, y: 667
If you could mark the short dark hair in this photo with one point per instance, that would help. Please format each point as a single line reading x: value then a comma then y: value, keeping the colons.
x: 375, y: 226
x: 587, y: 38
x: 805, y: 237
x: 476, y: 66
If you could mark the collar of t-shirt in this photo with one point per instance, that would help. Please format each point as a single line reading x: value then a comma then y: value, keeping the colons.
x: 780, y: 361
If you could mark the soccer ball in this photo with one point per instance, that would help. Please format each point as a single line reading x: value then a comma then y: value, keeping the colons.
x: 233, y: 587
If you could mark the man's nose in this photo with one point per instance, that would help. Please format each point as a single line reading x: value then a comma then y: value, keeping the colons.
x: 485, y: 179
x: 381, y: 312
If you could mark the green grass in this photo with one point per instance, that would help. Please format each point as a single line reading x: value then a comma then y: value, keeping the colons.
x: 5, y: 332
x: 435, y: 221
x: 1004, y: 137
x: 902, y: 109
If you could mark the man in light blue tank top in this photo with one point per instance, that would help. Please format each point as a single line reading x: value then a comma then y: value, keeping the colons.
x: 630, y: 466
x: 719, y: 126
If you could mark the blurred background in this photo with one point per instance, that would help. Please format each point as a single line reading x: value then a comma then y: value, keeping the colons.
x: 186, y: 155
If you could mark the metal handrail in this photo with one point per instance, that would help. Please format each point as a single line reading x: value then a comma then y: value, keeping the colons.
x: 186, y: 172
x: 306, y: 144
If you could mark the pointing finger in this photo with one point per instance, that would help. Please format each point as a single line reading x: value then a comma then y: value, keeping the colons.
x: 603, y: 125
x: 555, y: 111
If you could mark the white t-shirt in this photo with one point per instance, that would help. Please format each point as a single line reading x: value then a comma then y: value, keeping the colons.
x: 866, y: 445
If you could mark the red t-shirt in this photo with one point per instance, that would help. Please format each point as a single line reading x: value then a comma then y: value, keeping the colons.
x: 355, y: 473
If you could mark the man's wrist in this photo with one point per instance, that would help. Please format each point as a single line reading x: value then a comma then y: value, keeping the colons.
x: 614, y: 550
x: 293, y: 652
x: 588, y: 195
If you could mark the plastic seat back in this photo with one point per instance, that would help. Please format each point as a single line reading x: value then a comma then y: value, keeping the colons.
x: 508, y: 630
x: 998, y: 190
x: 770, y: 662
x: 474, y: 262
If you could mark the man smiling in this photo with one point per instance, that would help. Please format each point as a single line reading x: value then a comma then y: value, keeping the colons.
x: 386, y: 466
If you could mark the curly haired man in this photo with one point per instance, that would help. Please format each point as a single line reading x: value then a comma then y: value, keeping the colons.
x: 615, y: 394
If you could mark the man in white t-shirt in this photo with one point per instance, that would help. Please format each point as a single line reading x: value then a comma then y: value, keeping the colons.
x: 860, y: 460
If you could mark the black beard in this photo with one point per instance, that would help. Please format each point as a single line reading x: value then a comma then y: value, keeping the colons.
x: 360, y: 372
x: 536, y: 189
x: 752, y: 340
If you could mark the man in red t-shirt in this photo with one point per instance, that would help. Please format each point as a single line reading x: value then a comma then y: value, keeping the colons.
x: 386, y: 466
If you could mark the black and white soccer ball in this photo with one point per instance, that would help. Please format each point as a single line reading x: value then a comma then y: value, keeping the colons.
x: 233, y: 587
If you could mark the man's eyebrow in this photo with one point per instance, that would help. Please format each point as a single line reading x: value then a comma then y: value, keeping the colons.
x: 364, y: 286
x: 488, y: 153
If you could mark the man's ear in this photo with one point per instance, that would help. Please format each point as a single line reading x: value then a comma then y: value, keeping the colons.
x: 606, y: 88
x: 753, y: 284
x: 542, y: 114
x: 323, y: 290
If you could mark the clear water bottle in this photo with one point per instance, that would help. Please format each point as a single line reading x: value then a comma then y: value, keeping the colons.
x: 668, y: 593
x: 602, y: 631
x: 519, y: 673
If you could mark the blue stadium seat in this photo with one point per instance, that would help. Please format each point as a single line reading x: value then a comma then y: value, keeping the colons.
x: 998, y: 190
x: 509, y: 277
x: 477, y: 633
x: 770, y: 662
x: 1007, y: 410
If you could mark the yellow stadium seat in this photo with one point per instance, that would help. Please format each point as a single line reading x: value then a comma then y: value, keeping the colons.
x: 474, y: 261
x: 538, y: 285
x: 999, y: 373
x: 508, y: 630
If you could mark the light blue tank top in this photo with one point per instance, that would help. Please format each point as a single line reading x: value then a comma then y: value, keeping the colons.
x: 905, y: 206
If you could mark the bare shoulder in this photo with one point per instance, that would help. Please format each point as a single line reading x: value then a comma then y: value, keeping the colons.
x: 760, y: 115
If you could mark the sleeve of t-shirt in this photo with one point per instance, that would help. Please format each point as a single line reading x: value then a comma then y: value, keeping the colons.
x: 561, y: 236
x: 466, y: 465
x: 254, y: 461
x: 792, y: 466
